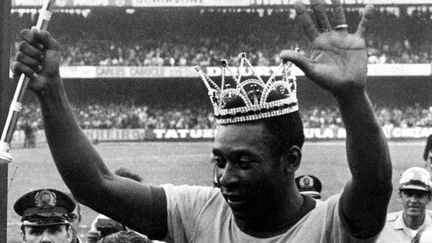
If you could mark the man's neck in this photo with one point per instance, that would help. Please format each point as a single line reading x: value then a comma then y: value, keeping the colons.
x: 414, y: 222
x: 277, y: 221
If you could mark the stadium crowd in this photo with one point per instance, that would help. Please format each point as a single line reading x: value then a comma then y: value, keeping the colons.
x: 398, y: 36
x: 107, y: 116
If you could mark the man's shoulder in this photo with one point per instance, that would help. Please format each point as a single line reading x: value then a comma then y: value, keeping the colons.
x: 187, y: 194
x: 190, y: 188
x: 391, y: 217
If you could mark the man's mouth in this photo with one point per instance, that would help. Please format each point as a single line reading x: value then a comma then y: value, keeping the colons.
x: 234, y: 200
x: 413, y: 207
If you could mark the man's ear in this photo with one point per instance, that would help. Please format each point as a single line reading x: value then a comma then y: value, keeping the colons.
x: 293, y: 157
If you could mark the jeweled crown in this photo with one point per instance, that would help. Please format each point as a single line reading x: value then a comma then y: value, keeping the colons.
x: 252, y: 99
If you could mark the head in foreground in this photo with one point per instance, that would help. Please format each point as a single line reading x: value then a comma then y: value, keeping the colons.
x: 415, y: 195
x: 255, y: 163
x: 125, y: 237
x: 45, y: 216
x: 258, y: 144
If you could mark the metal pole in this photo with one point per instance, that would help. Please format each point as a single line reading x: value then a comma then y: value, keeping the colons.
x: 5, y: 90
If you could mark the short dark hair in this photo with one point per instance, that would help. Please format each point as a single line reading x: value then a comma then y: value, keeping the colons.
x: 125, y: 237
x: 123, y: 172
x: 286, y: 131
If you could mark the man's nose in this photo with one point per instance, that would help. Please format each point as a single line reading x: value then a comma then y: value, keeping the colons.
x: 228, y: 175
x: 46, y: 237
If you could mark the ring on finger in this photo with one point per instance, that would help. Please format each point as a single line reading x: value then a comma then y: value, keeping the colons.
x: 341, y: 26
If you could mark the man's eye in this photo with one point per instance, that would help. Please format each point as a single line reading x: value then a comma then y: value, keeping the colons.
x: 219, y: 162
x: 246, y: 162
x: 36, y: 231
x: 54, y: 229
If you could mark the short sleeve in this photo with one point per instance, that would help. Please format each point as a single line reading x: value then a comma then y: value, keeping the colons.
x: 184, y: 205
x: 340, y: 228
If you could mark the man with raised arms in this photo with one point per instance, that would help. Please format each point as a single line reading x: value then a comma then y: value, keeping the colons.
x: 257, y: 151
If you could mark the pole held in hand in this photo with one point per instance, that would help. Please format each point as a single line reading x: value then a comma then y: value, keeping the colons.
x: 16, y: 105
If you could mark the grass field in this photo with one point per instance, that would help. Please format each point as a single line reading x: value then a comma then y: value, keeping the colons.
x: 186, y: 163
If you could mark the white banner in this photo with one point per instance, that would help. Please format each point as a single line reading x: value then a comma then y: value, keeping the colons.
x: 399, y: 70
x: 137, y: 135
x: 96, y: 72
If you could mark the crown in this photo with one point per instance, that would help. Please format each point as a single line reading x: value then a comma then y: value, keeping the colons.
x: 252, y: 99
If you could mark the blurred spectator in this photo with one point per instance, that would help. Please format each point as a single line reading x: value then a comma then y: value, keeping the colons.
x: 427, y: 154
x: 192, y: 116
x: 30, y: 129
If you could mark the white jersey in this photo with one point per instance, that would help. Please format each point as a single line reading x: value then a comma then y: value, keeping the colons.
x: 200, y: 214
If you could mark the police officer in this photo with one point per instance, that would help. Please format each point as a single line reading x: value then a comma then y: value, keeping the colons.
x: 415, y: 195
x: 45, y: 216
x: 309, y: 185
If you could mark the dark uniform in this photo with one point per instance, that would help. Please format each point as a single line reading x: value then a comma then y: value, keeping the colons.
x: 43, y: 214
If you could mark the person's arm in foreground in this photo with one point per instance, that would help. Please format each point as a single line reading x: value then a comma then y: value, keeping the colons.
x: 140, y: 207
x: 339, y: 65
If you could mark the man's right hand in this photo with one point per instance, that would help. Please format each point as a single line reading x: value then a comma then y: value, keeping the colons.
x: 339, y: 59
x: 38, y: 58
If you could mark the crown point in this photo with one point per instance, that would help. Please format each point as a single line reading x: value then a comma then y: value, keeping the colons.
x: 197, y: 68
x: 243, y: 54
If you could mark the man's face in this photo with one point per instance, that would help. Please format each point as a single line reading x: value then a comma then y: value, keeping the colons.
x: 46, y: 234
x: 74, y: 223
x: 414, y: 202
x: 251, y: 179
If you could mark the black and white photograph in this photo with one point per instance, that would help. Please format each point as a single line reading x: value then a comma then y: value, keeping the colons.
x: 226, y: 121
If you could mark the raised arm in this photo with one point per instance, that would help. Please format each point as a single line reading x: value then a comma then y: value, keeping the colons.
x: 140, y: 207
x: 339, y: 65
